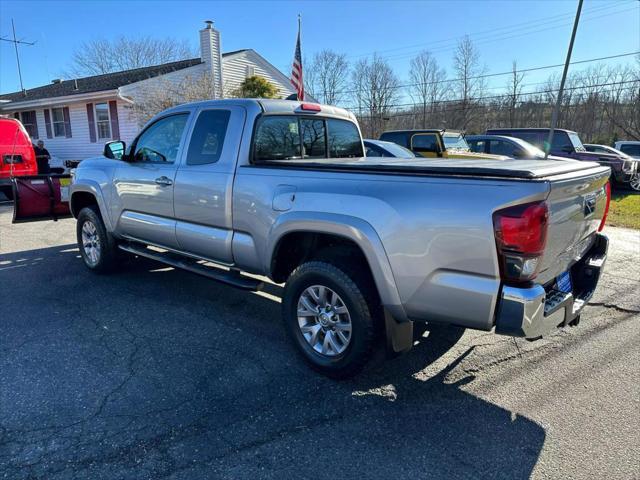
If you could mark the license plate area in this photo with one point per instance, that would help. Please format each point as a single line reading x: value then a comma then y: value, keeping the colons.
x: 564, y: 283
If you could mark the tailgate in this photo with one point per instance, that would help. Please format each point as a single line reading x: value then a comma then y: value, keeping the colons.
x: 577, y: 203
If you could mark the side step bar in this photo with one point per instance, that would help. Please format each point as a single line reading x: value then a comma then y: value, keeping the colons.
x: 229, y: 277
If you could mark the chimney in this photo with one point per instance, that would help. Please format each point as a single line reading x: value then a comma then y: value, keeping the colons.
x: 211, y: 56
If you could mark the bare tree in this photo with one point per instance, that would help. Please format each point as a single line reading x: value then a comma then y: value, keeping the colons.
x: 100, y: 56
x: 469, y: 82
x: 163, y: 94
x: 514, y: 89
x: 327, y: 76
x: 427, y: 82
x: 375, y: 88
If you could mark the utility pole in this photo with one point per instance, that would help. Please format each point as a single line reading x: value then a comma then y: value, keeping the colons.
x: 556, y: 110
x: 15, y: 42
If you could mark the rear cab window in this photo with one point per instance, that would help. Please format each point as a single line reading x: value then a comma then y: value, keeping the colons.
x: 297, y: 137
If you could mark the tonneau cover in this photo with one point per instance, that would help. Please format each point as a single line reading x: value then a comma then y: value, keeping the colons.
x: 476, y: 167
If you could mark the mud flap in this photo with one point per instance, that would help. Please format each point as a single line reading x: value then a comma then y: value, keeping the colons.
x: 399, y: 334
x: 41, y: 197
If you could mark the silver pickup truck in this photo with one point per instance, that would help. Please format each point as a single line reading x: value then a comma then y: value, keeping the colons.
x: 365, y: 247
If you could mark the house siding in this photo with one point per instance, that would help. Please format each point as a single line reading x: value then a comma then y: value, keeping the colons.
x: 234, y: 72
x: 79, y: 145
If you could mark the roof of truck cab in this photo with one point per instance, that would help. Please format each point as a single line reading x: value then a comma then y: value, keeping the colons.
x: 268, y: 106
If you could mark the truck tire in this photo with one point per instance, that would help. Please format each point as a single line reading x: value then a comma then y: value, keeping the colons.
x: 331, y: 318
x: 97, y: 247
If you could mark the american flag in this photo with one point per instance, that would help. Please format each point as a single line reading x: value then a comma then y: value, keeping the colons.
x: 296, y: 70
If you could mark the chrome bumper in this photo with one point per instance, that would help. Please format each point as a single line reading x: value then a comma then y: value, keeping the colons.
x: 533, y: 311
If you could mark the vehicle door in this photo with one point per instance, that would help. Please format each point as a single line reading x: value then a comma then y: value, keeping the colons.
x: 427, y: 145
x: 143, y: 185
x: 204, y: 184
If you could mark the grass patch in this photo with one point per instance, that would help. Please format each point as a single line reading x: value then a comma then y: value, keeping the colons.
x: 624, y: 210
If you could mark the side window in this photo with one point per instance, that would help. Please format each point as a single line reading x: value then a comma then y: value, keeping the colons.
x: 561, y: 142
x: 373, y: 152
x: 424, y: 143
x: 207, y: 138
x: 500, y: 147
x: 313, y: 138
x: 344, y: 139
x: 476, y: 145
x: 534, y: 138
x: 277, y: 138
x: 161, y: 141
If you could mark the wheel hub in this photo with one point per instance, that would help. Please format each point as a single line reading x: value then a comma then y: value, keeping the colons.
x: 324, y: 320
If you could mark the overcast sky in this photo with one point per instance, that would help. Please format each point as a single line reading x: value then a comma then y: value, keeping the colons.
x: 535, y: 33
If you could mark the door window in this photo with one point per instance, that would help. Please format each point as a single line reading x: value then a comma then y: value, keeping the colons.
x: 208, y: 135
x: 160, y: 142
x: 500, y: 147
x: 476, y: 145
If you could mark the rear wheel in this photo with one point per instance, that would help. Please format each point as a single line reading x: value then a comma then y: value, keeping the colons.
x: 98, y: 248
x: 330, y: 317
x: 634, y: 183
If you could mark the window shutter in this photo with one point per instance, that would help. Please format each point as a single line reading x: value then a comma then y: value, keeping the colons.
x: 35, y: 124
x: 115, y: 125
x: 67, y: 122
x: 92, y: 123
x: 47, y: 122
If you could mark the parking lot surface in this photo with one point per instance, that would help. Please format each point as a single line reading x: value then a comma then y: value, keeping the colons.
x: 155, y: 373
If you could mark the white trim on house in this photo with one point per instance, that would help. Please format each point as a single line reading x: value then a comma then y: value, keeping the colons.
x: 62, y: 101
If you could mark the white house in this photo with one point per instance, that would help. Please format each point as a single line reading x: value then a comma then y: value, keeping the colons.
x: 76, y: 117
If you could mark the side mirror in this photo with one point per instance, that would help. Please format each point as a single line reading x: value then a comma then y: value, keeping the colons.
x: 114, y: 149
x: 518, y: 154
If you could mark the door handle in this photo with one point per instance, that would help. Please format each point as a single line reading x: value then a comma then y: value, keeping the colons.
x: 164, y: 181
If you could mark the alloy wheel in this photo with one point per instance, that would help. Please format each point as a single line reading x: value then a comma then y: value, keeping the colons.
x: 324, y: 320
x: 91, y: 242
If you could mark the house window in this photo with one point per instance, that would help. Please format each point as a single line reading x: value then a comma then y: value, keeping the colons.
x: 250, y: 72
x: 57, y: 117
x: 103, y: 122
x: 29, y: 121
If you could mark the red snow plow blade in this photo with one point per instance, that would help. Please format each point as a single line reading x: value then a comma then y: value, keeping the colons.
x: 40, y: 197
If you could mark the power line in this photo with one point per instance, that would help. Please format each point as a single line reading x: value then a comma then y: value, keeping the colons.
x: 494, y: 31
x: 510, y: 72
x: 456, y: 108
x: 509, y: 95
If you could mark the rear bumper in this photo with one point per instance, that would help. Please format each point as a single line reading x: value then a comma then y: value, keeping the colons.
x: 535, y: 311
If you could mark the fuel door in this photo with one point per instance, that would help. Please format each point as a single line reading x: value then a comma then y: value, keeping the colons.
x: 284, y: 197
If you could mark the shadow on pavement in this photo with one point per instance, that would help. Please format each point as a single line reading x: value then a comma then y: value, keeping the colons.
x: 156, y: 373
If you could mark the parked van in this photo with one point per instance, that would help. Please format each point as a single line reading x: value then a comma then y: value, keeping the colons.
x: 17, y: 158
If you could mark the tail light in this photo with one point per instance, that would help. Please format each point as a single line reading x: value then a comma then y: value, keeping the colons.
x: 607, y: 188
x: 521, y: 235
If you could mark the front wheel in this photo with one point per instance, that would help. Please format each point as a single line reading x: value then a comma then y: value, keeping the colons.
x: 331, y: 318
x: 97, y: 247
x: 634, y: 183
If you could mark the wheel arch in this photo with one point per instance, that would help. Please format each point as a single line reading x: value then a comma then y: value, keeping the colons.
x: 83, y: 195
x: 345, y: 230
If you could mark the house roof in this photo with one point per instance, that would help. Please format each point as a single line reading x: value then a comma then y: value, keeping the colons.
x: 107, y: 81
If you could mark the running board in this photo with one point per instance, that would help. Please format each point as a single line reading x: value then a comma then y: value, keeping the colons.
x: 225, y: 276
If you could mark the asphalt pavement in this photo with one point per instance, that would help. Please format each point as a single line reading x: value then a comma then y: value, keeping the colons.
x: 153, y: 373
